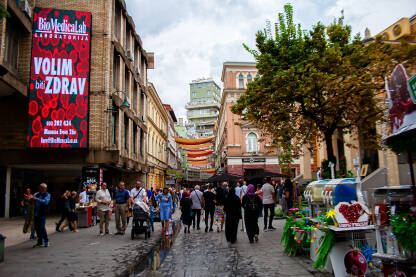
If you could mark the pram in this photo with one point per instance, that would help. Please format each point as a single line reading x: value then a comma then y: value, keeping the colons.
x: 140, y: 223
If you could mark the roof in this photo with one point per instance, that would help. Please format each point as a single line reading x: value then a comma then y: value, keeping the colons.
x: 171, y: 112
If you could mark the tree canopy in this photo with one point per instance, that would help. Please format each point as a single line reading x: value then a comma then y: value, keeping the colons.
x: 316, y: 82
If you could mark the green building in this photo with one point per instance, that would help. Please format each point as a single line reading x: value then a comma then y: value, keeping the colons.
x: 204, y: 106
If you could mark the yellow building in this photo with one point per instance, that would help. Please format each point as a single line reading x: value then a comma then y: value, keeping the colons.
x: 157, y: 119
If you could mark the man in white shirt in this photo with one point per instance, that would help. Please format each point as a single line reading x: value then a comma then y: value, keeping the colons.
x: 103, y: 198
x: 238, y: 190
x: 243, y: 189
x: 83, y: 196
x: 138, y: 194
x: 269, y: 200
x: 242, y: 193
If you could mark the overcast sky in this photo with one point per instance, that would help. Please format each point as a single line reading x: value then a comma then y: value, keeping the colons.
x: 191, y: 39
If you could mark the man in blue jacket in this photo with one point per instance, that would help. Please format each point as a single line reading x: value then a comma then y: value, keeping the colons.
x: 41, y: 199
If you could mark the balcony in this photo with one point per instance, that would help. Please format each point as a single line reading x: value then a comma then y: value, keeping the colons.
x: 198, y: 116
x: 198, y: 105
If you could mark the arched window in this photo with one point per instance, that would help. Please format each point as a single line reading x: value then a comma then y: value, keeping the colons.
x: 252, y: 142
x: 249, y: 78
x: 240, y: 81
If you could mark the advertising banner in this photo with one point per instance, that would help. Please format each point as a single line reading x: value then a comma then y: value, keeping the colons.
x: 402, y: 108
x: 59, y: 79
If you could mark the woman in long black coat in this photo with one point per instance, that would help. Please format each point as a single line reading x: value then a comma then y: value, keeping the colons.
x: 186, y: 208
x: 232, y: 207
x: 251, y: 203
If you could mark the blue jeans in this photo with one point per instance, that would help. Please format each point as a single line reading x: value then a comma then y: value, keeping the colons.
x: 150, y: 223
x: 40, y: 222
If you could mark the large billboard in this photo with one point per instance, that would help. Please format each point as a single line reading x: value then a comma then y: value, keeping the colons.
x: 59, y: 79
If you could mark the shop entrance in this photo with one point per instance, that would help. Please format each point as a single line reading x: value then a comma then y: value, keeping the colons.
x: 250, y: 172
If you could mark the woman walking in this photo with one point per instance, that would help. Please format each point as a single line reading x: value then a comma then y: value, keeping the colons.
x: 73, y: 215
x: 65, y: 209
x: 232, y: 207
x: 252, y: 206
x: 186, y: 208
x: 166, y: 209
x: 219, y: 208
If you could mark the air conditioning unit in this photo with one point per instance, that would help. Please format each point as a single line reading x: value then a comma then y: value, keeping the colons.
x: 27, y: 8
x: 399, y: 29
x: 129, y: 55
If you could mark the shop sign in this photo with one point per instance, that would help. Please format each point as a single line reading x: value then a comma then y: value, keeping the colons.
x: 91, y: 177
x: 254, y: 160
x: 402, y: 108
x: 351, y: 215
x: 412, y: 88
x: 59, y: 79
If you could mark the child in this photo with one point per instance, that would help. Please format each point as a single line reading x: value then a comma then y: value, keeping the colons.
x: 153, y: 210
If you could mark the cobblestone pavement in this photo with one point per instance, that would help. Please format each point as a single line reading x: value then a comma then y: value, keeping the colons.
x: 78, y: 254
x: 194, y: 254
x: 208, y: 254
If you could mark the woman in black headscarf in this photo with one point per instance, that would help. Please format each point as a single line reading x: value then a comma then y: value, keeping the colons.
x: 251, y: 203
x: 232, y: 207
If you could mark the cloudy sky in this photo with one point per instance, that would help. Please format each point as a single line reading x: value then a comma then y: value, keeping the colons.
x: 192, y: 38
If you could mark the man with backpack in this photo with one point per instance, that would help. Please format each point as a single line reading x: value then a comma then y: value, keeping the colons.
x: 251, y: 204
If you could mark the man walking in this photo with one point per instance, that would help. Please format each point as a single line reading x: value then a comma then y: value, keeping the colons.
x: 196, y: 197
x: 42, y: 199
x: 209, y: 207
x: 138, y: 193
x: 269, y: 200
x: 242, y: 193
x: 103, y: 198
x: 121, y: 196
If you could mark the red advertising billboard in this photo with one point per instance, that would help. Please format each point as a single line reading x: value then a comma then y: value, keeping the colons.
x: 59, y: 79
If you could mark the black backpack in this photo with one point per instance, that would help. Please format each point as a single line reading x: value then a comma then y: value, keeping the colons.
x: 251, y: 204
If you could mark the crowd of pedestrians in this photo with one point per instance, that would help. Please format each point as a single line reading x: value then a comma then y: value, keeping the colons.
x: 226, y: 205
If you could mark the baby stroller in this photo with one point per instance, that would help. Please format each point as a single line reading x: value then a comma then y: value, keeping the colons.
x: 140, y: 222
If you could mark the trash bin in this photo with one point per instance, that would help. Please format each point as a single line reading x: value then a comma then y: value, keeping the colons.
x: 2, y: 239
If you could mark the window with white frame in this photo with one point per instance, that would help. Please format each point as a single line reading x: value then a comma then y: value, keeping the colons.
x: 249, y: 78
x: 252, y: 142
x: 240, y: 81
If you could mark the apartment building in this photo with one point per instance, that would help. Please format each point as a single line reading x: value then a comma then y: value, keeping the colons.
x: 204, y: 105
x: 157, y: 137
x: 111, y: 130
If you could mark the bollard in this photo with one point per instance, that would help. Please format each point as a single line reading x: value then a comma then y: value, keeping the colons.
x: 2, y: 239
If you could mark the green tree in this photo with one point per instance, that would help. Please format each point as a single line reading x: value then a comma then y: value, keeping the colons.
x: 315, y: 83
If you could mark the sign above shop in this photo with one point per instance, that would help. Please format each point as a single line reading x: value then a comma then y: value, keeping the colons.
x: 59, y: 79
x: 351, y: 215
x: 254, y: 160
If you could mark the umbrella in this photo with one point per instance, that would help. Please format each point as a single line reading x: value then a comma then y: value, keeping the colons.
x: 267, y: 174
x: 223, y: 177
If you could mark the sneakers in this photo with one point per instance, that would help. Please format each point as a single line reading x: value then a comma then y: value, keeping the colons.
x: 37, y: 245
x: 46, y: 244
x: 266, y: 229
x: 271, y: 228
x: 101, y: 234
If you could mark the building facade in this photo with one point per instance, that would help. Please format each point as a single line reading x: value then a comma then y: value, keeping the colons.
x: 116, y: 135
x: 204, y: 105
x: 241, y: 148
x: 157, y: 137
